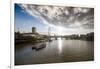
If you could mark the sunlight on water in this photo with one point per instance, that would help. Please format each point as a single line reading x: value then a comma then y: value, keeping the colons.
x: 59, y: 50
x: 60, y: 45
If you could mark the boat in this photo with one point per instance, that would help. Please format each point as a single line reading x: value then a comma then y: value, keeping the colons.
x: 39, y: 46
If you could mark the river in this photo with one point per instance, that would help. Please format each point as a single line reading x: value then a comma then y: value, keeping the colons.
x: 55, y: 51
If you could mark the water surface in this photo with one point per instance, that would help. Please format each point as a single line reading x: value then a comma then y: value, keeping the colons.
x: 55, y: 51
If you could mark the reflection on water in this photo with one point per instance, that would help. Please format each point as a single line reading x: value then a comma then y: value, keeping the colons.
x: 55, y: 51
x: 60, y: 45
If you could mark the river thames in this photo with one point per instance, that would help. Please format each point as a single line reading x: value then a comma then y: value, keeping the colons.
x: 55, y: 51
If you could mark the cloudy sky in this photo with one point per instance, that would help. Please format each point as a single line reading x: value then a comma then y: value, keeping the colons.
x: 60, y: 19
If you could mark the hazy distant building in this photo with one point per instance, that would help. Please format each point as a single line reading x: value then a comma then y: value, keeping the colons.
x: 33, y: 30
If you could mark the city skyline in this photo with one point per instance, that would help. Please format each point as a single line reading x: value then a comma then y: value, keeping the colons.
x: 62, y: 20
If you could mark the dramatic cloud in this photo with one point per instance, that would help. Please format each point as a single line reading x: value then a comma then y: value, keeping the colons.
x: 63, y: 16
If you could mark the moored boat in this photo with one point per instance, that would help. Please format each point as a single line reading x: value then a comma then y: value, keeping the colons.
x: 39, y: 46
